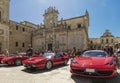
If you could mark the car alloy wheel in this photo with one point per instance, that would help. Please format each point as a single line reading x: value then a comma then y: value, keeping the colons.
x: 48, y: 65
x: 18, y: 62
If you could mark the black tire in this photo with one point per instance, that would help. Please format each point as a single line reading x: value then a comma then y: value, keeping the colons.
x: 49, y: 65
x: 18, y: 62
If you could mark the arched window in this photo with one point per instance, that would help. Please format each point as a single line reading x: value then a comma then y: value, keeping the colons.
x: 107, y: 40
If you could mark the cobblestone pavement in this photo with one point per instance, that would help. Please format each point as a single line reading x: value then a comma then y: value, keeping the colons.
x: 61, y: 74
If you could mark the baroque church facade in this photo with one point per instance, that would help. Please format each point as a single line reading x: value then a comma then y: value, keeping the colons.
x: 54, y: 34
x: 61, y: 34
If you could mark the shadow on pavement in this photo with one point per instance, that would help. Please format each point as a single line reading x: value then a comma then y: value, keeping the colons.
x: 35, y: 71
x: 8, y: 66
x: 79, y: 79
x: 114, y: 80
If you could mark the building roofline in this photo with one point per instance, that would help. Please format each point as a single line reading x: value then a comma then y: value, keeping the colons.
x: 73, y: 18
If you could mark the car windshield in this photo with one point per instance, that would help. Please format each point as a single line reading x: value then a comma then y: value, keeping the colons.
x: 22, y: 54
x: 11, y: 54
x: 95, y: 54
x: 48, y: 54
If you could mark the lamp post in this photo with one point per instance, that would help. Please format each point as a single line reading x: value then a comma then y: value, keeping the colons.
x: 31, y: 38
x: 67, y: 33
x: 45, y: 37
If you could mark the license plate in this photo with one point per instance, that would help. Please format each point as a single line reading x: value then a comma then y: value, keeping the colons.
x: 90, y: 70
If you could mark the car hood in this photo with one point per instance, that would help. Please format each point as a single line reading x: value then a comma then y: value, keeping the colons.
x: 8, y: 57
x: 95, y: 61
x: 34, y: 60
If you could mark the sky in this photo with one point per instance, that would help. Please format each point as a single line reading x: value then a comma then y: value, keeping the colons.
x: 104, y: 14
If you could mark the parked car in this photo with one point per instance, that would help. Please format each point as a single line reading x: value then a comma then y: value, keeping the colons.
x: 94, y: 63
x: 13, y: 59
x: 47, y: 60
x: 1, y: 57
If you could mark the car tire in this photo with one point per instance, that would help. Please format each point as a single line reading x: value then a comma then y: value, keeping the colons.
x: 18, y: 62
x: 65, y: 62
x: 48, y: 65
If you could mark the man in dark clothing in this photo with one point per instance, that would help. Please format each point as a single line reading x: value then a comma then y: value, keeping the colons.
x: 29, y: 51
x: 111, y: 50
x: 106, y: 49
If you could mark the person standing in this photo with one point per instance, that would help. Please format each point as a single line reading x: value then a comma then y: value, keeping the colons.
x: 106, y: 49
x: 118, y: 55
x: 74, y: 52
x: 111, y: 50
x: 6, y: 52
x: 29, y: 51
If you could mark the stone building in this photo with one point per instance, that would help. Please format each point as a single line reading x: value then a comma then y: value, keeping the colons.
x: 106, y: 39
x: 61, y: 34
x: 20, y: 35
x: 4, y: 24
x: 13, y: 36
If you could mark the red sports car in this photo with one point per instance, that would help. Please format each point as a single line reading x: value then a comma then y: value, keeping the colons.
x: 94, y: 63
x: 47, y: 60
x: 1, y: 57
x: 14, y: 59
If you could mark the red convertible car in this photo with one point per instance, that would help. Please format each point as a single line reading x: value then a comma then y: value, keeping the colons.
x: 94, y: 63
x: 14, y: 59
x: 47, y: 60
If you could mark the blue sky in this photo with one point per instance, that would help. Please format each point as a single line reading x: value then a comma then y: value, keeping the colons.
x: 104, y: 14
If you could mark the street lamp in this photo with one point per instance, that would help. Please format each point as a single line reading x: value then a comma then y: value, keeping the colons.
x: 31, y: 38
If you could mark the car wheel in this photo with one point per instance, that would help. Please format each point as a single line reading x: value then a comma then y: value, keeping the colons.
x: 65, y: 62
x: 18, y: 62
x: 48, y: 65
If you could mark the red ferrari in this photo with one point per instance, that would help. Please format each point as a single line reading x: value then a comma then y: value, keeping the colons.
x: 47, y: 60
x: 94, y: 63
x: 14, y: 59
x: 1, y: 57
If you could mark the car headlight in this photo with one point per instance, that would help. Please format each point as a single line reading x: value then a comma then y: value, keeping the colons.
x: 74, y: 62
x: 111, y: 62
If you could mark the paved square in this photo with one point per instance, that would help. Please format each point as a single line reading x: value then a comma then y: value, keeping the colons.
x: 60, y: 74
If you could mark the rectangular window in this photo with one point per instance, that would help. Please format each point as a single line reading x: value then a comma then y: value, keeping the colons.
x: 23, y: 44
x: 17, y: 27
x: 23, y: 29
x: 16, y: 44
x: 79, y: 26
